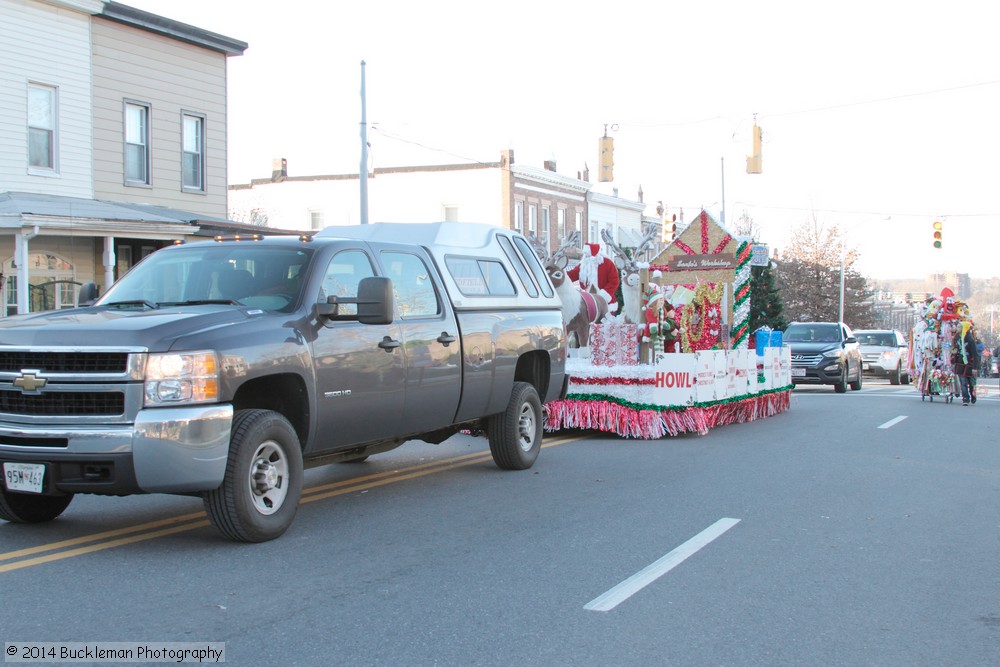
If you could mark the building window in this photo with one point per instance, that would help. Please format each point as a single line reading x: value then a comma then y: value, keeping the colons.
x: 193, y: 155
x: 545, y: 226
x: 317, y: 220
x: 532, y: 219
x: 136, y: 143
x: 579, y: 225
x: 41, y: 127
x: 560, y: 224
x: 519, y: 217
x: 592, y: 236
x: 123, y: 261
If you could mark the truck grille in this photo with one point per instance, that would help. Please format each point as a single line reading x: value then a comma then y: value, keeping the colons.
x: 64, y: 362
x: 59, y: 403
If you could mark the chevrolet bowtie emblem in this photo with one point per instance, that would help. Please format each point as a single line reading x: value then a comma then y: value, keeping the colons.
x: 30, y: 382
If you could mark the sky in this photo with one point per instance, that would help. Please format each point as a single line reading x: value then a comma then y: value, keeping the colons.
x: 877, y: 117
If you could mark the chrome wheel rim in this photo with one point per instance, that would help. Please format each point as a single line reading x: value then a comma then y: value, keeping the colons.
x: 526, y: 428
x: 268, y: 479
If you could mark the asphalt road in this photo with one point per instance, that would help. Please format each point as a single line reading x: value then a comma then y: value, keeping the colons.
x: 853, y: 529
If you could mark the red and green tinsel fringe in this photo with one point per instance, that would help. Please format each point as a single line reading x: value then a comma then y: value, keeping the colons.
x: 650, y: 422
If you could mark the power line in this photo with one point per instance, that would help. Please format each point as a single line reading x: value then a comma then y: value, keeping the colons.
x: 424, y: 146
x: 936, y: 214
x: 881, y: 99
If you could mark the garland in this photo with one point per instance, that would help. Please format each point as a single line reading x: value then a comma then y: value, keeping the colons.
x: 650, y: 422
x: 740, y: 335
x: 707, y: 297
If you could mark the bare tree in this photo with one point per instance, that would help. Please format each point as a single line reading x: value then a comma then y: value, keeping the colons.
x: 745, y: 226
x: 809, y: 276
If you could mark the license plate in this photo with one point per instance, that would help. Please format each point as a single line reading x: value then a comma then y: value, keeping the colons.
x: 798, y: 372
x: 26, y: 477
x: 865, y: 366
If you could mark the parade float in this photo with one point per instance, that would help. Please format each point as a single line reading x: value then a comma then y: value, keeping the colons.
x: 939, y: 321
x: 677, y: 355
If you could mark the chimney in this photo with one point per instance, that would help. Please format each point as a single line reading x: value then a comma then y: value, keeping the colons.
x: 640, y: 193
x: 550, y: 165
x: 279, y: 169
x: 506, y: 158
x: 586, y: 173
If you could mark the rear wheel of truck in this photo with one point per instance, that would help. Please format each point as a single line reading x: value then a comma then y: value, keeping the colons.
x: 31, y: 508
x: 516, y: 434
x: 260, y: 493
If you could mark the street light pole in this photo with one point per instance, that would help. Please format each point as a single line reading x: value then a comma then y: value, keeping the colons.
x: 363, y: 171
x: 841, y: 316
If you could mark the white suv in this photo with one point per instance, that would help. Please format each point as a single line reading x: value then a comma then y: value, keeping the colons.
x: 884, y: 353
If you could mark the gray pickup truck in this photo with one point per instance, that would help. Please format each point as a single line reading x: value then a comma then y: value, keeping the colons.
x: 223, y: 368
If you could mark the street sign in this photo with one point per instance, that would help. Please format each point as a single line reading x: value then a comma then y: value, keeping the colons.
x: 759, y: 256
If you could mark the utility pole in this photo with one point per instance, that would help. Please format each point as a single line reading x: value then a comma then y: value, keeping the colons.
x: 722, y: 213
x: 363, y: 171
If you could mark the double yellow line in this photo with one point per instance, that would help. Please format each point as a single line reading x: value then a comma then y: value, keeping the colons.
x: 78, y: 546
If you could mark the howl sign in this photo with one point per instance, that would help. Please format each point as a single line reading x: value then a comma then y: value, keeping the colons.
x: 674, y: 380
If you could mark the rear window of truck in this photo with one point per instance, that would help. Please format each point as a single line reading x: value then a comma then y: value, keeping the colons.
x: 480, y: 277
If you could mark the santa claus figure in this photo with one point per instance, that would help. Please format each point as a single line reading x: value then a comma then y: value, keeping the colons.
x: 597, y: 273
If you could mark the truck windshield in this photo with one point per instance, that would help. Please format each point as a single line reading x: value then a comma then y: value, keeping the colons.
x: 265, y: 277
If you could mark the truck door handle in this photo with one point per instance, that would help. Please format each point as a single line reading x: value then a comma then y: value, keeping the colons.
x: 389, y: 344
x: 445, y: 338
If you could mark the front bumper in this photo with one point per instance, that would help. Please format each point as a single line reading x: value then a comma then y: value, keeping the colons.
x: 166, y: 450
x: 828, y: 373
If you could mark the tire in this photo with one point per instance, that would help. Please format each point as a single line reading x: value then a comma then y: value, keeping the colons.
x: 260, y: 492
x: 856, y: 385
x: 31, y: 508
x: 896, y: 378
x: 841, y: 387
x: 515, y: 435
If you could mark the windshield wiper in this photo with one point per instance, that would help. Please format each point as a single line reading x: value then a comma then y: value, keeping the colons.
x: 128, y: 304
x: 202, y: 302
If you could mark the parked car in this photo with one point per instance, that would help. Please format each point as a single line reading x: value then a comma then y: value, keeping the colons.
x: 824, y: 353
x: 884, y: 353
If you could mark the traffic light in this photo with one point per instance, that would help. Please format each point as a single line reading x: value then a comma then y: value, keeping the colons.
x: 937, y: 234
x: 669, y: 227
x: 607, y: 161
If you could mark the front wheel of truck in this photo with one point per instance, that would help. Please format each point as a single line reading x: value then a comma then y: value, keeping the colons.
x: 516, y: 434
x: 260, y: 492
x: 31, y: 508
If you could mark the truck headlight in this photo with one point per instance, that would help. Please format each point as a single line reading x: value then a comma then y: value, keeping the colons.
x: 179, y: 378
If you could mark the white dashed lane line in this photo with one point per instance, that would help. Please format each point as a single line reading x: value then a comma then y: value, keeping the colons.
x: 893, y: 422
x: 626, y: 589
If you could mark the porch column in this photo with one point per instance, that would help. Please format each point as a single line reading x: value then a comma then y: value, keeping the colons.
x: 21, y: 264
x: 108, y: 260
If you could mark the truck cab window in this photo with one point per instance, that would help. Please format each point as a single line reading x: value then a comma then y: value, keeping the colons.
x: 411, y: 279
x: 343, y: 276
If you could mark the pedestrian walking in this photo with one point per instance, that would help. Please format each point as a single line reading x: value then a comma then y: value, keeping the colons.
x: 966, y: 356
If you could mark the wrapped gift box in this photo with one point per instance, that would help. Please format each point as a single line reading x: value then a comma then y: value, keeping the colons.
x: 614, y: 344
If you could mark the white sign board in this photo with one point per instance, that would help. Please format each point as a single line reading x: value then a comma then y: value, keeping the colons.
x: 758, y: 256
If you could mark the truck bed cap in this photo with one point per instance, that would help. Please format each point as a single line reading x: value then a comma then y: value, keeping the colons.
x: 454, y: 234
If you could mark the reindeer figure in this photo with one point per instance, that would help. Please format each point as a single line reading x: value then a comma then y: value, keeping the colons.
x: 580, y: 309
x: 629, y: 266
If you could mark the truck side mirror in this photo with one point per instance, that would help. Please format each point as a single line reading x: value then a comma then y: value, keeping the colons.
x: 88, y: 294
x: 375, y: 303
